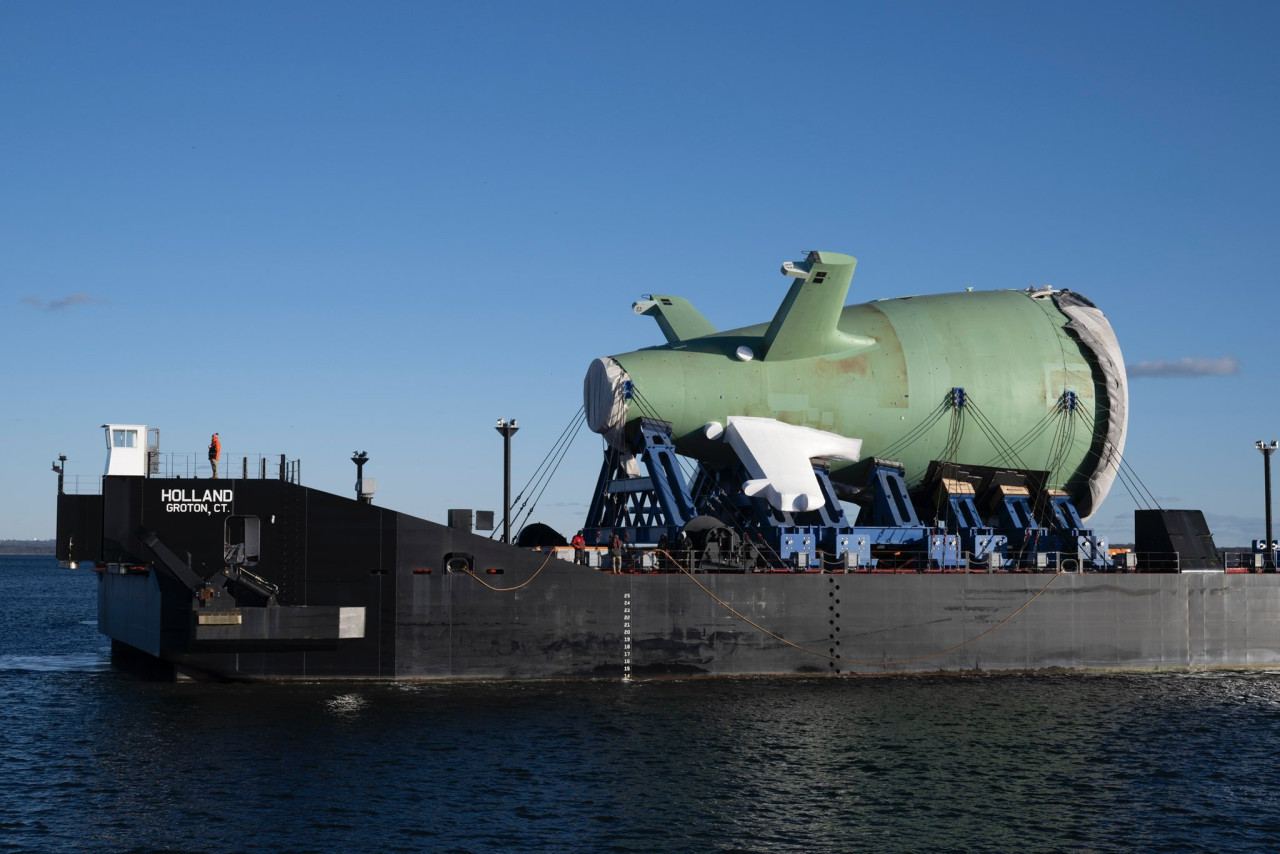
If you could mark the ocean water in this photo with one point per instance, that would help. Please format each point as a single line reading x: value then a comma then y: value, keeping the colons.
x: 92, y: 759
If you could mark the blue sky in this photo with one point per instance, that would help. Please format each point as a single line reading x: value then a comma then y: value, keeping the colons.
x: 320, y: 228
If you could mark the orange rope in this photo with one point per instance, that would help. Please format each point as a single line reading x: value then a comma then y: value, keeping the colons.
x: 793, y: 644
x: 550, y: 555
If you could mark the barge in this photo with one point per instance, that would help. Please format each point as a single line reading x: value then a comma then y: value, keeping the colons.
x: 900, y: 486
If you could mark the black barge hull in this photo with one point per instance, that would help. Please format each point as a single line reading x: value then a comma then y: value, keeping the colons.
x: 334, y: 588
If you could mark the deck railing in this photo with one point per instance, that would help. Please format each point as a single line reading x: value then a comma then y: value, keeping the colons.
x: 646, y: 559
x: 1242, y: 561
x: 230, y: 467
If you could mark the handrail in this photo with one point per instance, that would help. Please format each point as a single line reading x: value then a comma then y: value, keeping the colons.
x: 191, y: 466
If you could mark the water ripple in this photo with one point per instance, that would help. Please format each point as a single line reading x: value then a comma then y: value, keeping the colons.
x: 96, y: 759
x: 64, y: 662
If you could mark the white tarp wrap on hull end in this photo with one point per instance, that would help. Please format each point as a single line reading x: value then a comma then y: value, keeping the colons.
x: 1090, y: 327
x: 779, y: 458
x: 603, y: 400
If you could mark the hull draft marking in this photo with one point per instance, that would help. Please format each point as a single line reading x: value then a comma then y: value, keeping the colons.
x: 626, y: 636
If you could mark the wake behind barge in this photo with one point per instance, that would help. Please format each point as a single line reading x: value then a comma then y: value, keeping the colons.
x: 753, y: 444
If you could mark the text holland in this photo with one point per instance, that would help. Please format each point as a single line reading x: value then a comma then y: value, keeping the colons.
x: 197, y: 501
x: 194, y: 495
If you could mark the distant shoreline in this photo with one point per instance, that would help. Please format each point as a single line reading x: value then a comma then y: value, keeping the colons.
x: 26, y: 547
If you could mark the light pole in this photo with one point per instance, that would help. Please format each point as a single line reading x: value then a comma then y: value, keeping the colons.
x: 60, y: 467
x: 360, y: 458
x: 1268, y: 559
x: 507, y: 429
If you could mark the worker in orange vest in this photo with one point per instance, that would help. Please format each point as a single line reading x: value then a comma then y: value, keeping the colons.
x: 215, y: 448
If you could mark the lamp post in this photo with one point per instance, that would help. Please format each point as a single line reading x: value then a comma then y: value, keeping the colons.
x: 360, y: 458
x: 59, y: 467
x: 507, y: 429
x: 1268, y: 556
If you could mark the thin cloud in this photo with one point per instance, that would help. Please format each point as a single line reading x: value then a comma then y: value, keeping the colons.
x: 1187, y: 366
x: 61, y: 303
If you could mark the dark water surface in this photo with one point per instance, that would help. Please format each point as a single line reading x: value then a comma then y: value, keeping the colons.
x: 93, y: 759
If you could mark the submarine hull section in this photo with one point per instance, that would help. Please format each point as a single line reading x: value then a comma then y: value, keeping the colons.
x: 1019, y: 357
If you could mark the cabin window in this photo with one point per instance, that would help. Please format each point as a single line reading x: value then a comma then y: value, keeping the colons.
x: 244, y: 539
x: 124, y: 438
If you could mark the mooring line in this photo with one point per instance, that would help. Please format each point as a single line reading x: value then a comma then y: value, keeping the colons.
x: 469, y: 571
x: 790, y: 643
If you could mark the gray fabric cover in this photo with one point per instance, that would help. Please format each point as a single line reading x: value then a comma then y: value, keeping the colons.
x: 1091, y: 329
x: 606, y: 409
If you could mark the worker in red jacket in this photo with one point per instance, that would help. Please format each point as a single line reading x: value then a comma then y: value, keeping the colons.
x: 215, y: 449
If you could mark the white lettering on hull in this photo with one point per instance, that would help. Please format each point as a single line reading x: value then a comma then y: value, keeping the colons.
x: 194, y: 495
x: 207, y: 501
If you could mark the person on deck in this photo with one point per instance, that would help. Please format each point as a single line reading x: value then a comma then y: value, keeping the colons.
x: 579, y: 548
x: 684, y: 549
x: 615, y: 551
x: 215, y: 448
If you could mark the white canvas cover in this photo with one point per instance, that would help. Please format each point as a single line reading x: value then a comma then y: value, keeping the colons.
x: 606, y: 408
x: 779, y: 458
x: 1091, y: 328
